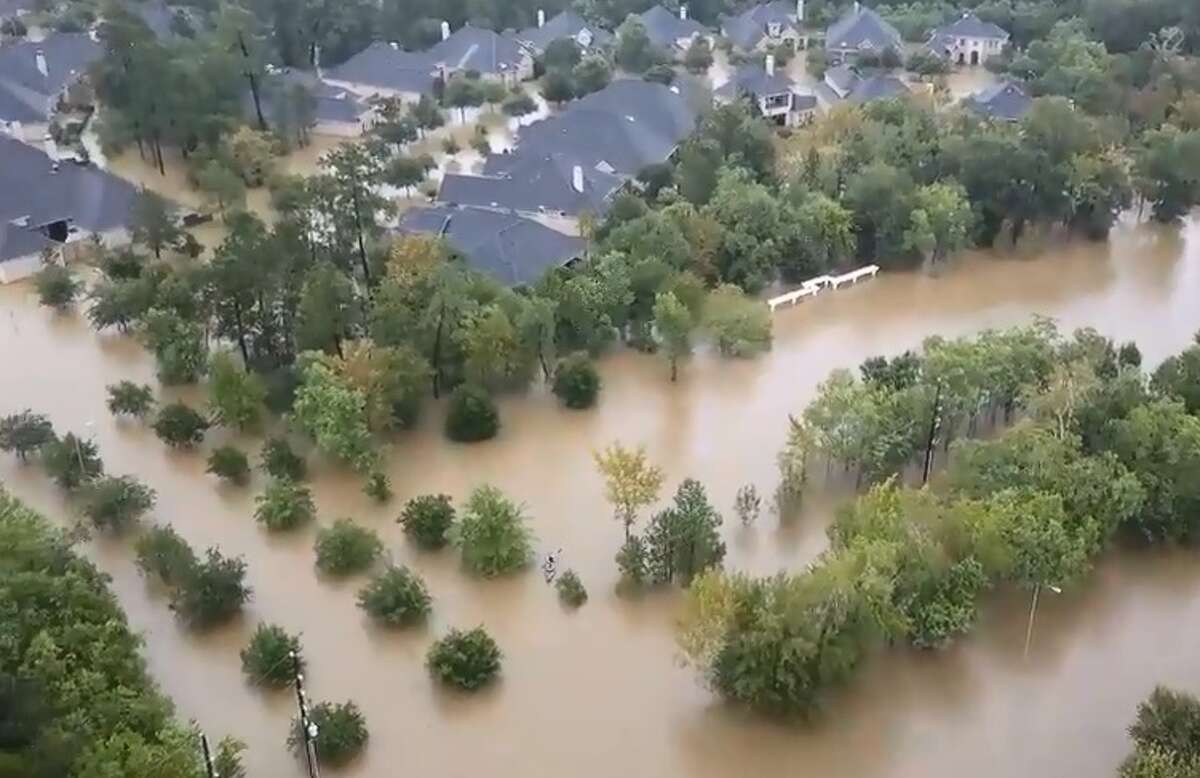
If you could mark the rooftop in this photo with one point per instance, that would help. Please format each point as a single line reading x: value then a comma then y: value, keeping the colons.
x: 746, y: 29
x: 664, y: 27
x: 533, y: 182
x: 753, y: 80
x: 387, y: 66
x: 861, y: 29
x: 25, y: 92
x: 1006, y: 101
x: 479, y: 49
x: 877, y: 87
x: 514, y: 250
x: 330, y: 103
x: 566, y: 24
x: 33, y: 193
x: 971, y: 26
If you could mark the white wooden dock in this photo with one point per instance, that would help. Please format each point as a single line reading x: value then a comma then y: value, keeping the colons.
x: 814, y: 286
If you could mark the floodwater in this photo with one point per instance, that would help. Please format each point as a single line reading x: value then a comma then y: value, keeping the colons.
x: 600, y: 691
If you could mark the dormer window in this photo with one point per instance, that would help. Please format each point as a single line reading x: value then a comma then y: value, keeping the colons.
x: 774, y: 29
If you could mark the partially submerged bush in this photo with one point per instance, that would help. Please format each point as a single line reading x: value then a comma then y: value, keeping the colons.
x: 346, y: 548
x: 396, y: 598
x: 427, y: 520
x: 267, y: 658
x: 467, y: 660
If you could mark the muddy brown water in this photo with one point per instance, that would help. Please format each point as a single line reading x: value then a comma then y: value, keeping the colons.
x: 600, y: 692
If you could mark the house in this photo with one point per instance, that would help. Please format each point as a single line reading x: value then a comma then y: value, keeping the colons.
x: 385, y: 70
x: 567, y: 25
x: 335, y: 111
x: 36, y: 77
x: 881, y: 86
x: 492, y: 55
x: 1006, y: 101
x: 773, y: 92
x: 513, y: 250
x: 860, y: 31
x: 766, y: 25
x: 673, y: 33
x: 622, y: 129
x: 553, y: 189
x: 52, y: 208
x: 845, y: 83
x: 968, y: 40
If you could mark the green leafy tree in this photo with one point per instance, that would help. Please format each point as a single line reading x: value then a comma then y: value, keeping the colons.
x: 115, y: 502
x: 396, y: 597
x: 56, y: 286
x: 281, y: 462
x: 683, y: 540
x: 179, y: 426
x: 463, y: 93
x: 224, y: 189
x: 492, y: 534
x: 576, y: 381
x: 129, y: 399
x: 267, y: 658
x: 212, y: 592
x: 345, y: 548
x: 427, y: 519
x: 518, y: 104
x: 334, y: 415
x: 163, y: 554
x: 467, y: 660
x: 378, y: 487
x: 236, y: 396
x: 591, y: 74
x: 229, y: 464
x: 153, y: 223
x: 826, y: 230
x: 178, y: 345
x: 698, y: 58
x: 673, y: 323
x: 557, y: 87
x: 561, y: 54
x: 327, y: 312
x: 341, y: 732
x: 71, y: 461
x: 25, y: 432
x: 284, y: 505
x: 941, y: 221
x: 472, y: 416
x: 1179, y: 376
x: 740, y: 326
x: 634, y: 53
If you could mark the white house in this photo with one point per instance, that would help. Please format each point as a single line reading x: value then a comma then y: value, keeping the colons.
x: 766, y: 25
x: 968, y: 40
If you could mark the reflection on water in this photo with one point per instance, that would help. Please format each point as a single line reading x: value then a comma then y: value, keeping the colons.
x: 599, y: 691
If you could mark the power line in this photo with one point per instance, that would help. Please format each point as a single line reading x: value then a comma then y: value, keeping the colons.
x: 308, y: 730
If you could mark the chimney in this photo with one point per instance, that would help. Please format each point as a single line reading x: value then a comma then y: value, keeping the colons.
x: 770, y: 65
x: 541, y: 18
x: 445, y: 30
x: 577, y: 178
x: 40, y: 59
x: 683, y: 11
x: 317, y: 59
x: 857, y: 7
x: 799, y: 10
x: 395, y: 45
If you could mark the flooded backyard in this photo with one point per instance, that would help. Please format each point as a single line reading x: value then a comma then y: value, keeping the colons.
x: 600, y: 691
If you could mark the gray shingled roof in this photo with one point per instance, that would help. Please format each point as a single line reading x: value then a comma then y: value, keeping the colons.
x: 753, y: 80
x: 971, y: 26
x: 625, y: 126
x: 25, y: 94
x: 31, y: 191
x: 475, y: 48
x: 530, y: 182
x: 566, y: 24
x: 862, y: 31
x: 387, y: 66
x: 664, y: 27
x: 878, y: 87
x: 746, y: 29
x: 1007, y: 101
x: 332, y: 104
x: 843, y: 78
x: 514, y: 250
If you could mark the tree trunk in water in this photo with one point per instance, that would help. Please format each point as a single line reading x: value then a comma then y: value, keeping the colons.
x: 362, y: 248
x: 674, y: 370
x: 545, y: 367
x: 931, y: 439
x: 437, y: 353
x: 237, y: 318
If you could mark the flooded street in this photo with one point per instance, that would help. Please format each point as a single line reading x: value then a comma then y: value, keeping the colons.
x: 600, y: 692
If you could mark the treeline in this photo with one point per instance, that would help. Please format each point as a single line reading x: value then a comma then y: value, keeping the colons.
x: 1101, y: 451
x: 75, y: 696
x: 1166, y: 737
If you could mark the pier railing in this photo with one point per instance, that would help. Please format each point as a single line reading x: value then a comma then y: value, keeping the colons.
x: 814, y: 286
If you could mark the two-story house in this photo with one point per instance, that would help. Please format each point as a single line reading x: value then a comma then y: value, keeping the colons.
x: 774, y: 94
x: 766, y: 25
x: 968, y: 40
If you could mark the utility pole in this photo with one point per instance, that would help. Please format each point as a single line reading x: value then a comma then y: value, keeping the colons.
x: 208, y: 762
x: 308, y: 730
x: 1037, y: 590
